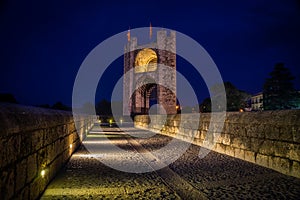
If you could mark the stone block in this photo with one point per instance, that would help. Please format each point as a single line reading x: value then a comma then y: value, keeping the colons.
x: 294, y: 152
x: 51, y: 152
x: 250, y: 156
x: 241, y: 143
x: 10, y: 151
x: 239, y: 153
x: 55, y: 166
x: 189, y: 132
x: 65, y: 129
x: 246, y: 143
x: 31, y: 167
x: 281, y: 149
x: 261, y: 130
x: 26, y: 144
x: 64, y: 143
x: 256, y: 144
x: 209, y: 137
x: 226, y: 128
x: 229, y: 151
x: 242, y: 130
x: 37, y: 140
x: 280, y: 164
x: 71, y: 127
x: 221, y: 148
x: 37, y: 187
x: 262, y: 160
x: 226, y: 139
x: 197, y: 134
x: 295, y: 169
x: 42, y: 160
x: 50, y: 136
x: 204, y: 126
x: 272, y: 132
x: 75, y: 137
x: 296, y: 133
x: 286, y: 133
x: 21, y: 172
x: 172, y: 129
x: 25, y: 193
x: 236, y: 142
x: 176, y: 130
x: 198, y: 142
x: 7, y: 183
x: 235, y: 129
x: 217, y: 137
x: 252, y: 131
x: 203, y: 134
x: 176, y: 123
x: 267, y: 147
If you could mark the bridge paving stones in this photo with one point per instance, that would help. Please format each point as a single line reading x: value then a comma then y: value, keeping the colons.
x: 215, y: 176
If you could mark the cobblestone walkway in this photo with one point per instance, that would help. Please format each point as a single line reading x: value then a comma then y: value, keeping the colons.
x: 215, y: 176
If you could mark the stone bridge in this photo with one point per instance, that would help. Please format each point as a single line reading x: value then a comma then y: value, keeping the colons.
x: 257, y: 156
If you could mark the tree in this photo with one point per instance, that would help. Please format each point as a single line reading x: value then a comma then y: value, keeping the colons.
x: 103, y: 107
x: 8, y: 98
x: 88, y: 108
x: 236, y: 99
x: 205, y: 106
x: 60, y: 106
x: 278, y: 89
x: 44, y: 106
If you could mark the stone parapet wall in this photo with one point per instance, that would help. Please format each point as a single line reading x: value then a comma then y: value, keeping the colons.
x: 33, y: 140
x: 270, y: 138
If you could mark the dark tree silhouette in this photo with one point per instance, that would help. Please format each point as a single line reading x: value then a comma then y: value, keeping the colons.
x: 44, y: 106
x: 205, y: 106
x: 103, y: 107
x: 236, y: 99
x: 9, y: 98
x: 88, y: 108
x: 60, y: 106
x: 278, y: 90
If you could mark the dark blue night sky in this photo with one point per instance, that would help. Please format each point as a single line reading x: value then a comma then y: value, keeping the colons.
x: 43, y: 43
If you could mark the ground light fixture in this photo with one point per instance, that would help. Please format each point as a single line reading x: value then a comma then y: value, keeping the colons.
x: 43, y: 173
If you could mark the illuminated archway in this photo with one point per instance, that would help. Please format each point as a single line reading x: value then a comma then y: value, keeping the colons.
x: 145, y: 96
x: 145, y: 61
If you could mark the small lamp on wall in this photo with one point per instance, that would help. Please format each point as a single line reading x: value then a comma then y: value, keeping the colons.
x: 43, y: 173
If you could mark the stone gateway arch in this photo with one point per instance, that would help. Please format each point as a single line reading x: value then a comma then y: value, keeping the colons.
x: 144, y: 75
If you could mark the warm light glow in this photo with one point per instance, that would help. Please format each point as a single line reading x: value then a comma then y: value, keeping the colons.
x: 116, y: 141
x: 241, y: 110
x: 145, y: 61
x: 104, y: 135
x: 83, y: 191
x: 177, y: 107
x: 110, y: 121
x: 43, y: 172
x: 88, y: 155
x: 71, y: 146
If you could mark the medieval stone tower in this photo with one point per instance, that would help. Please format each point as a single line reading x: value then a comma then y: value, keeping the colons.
x: 145, y: 78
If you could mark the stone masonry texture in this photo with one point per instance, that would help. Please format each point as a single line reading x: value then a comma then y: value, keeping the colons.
x: 270, y: 138
x: 165, y: 49
x: 216, y: 176
x: 32, y: 140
